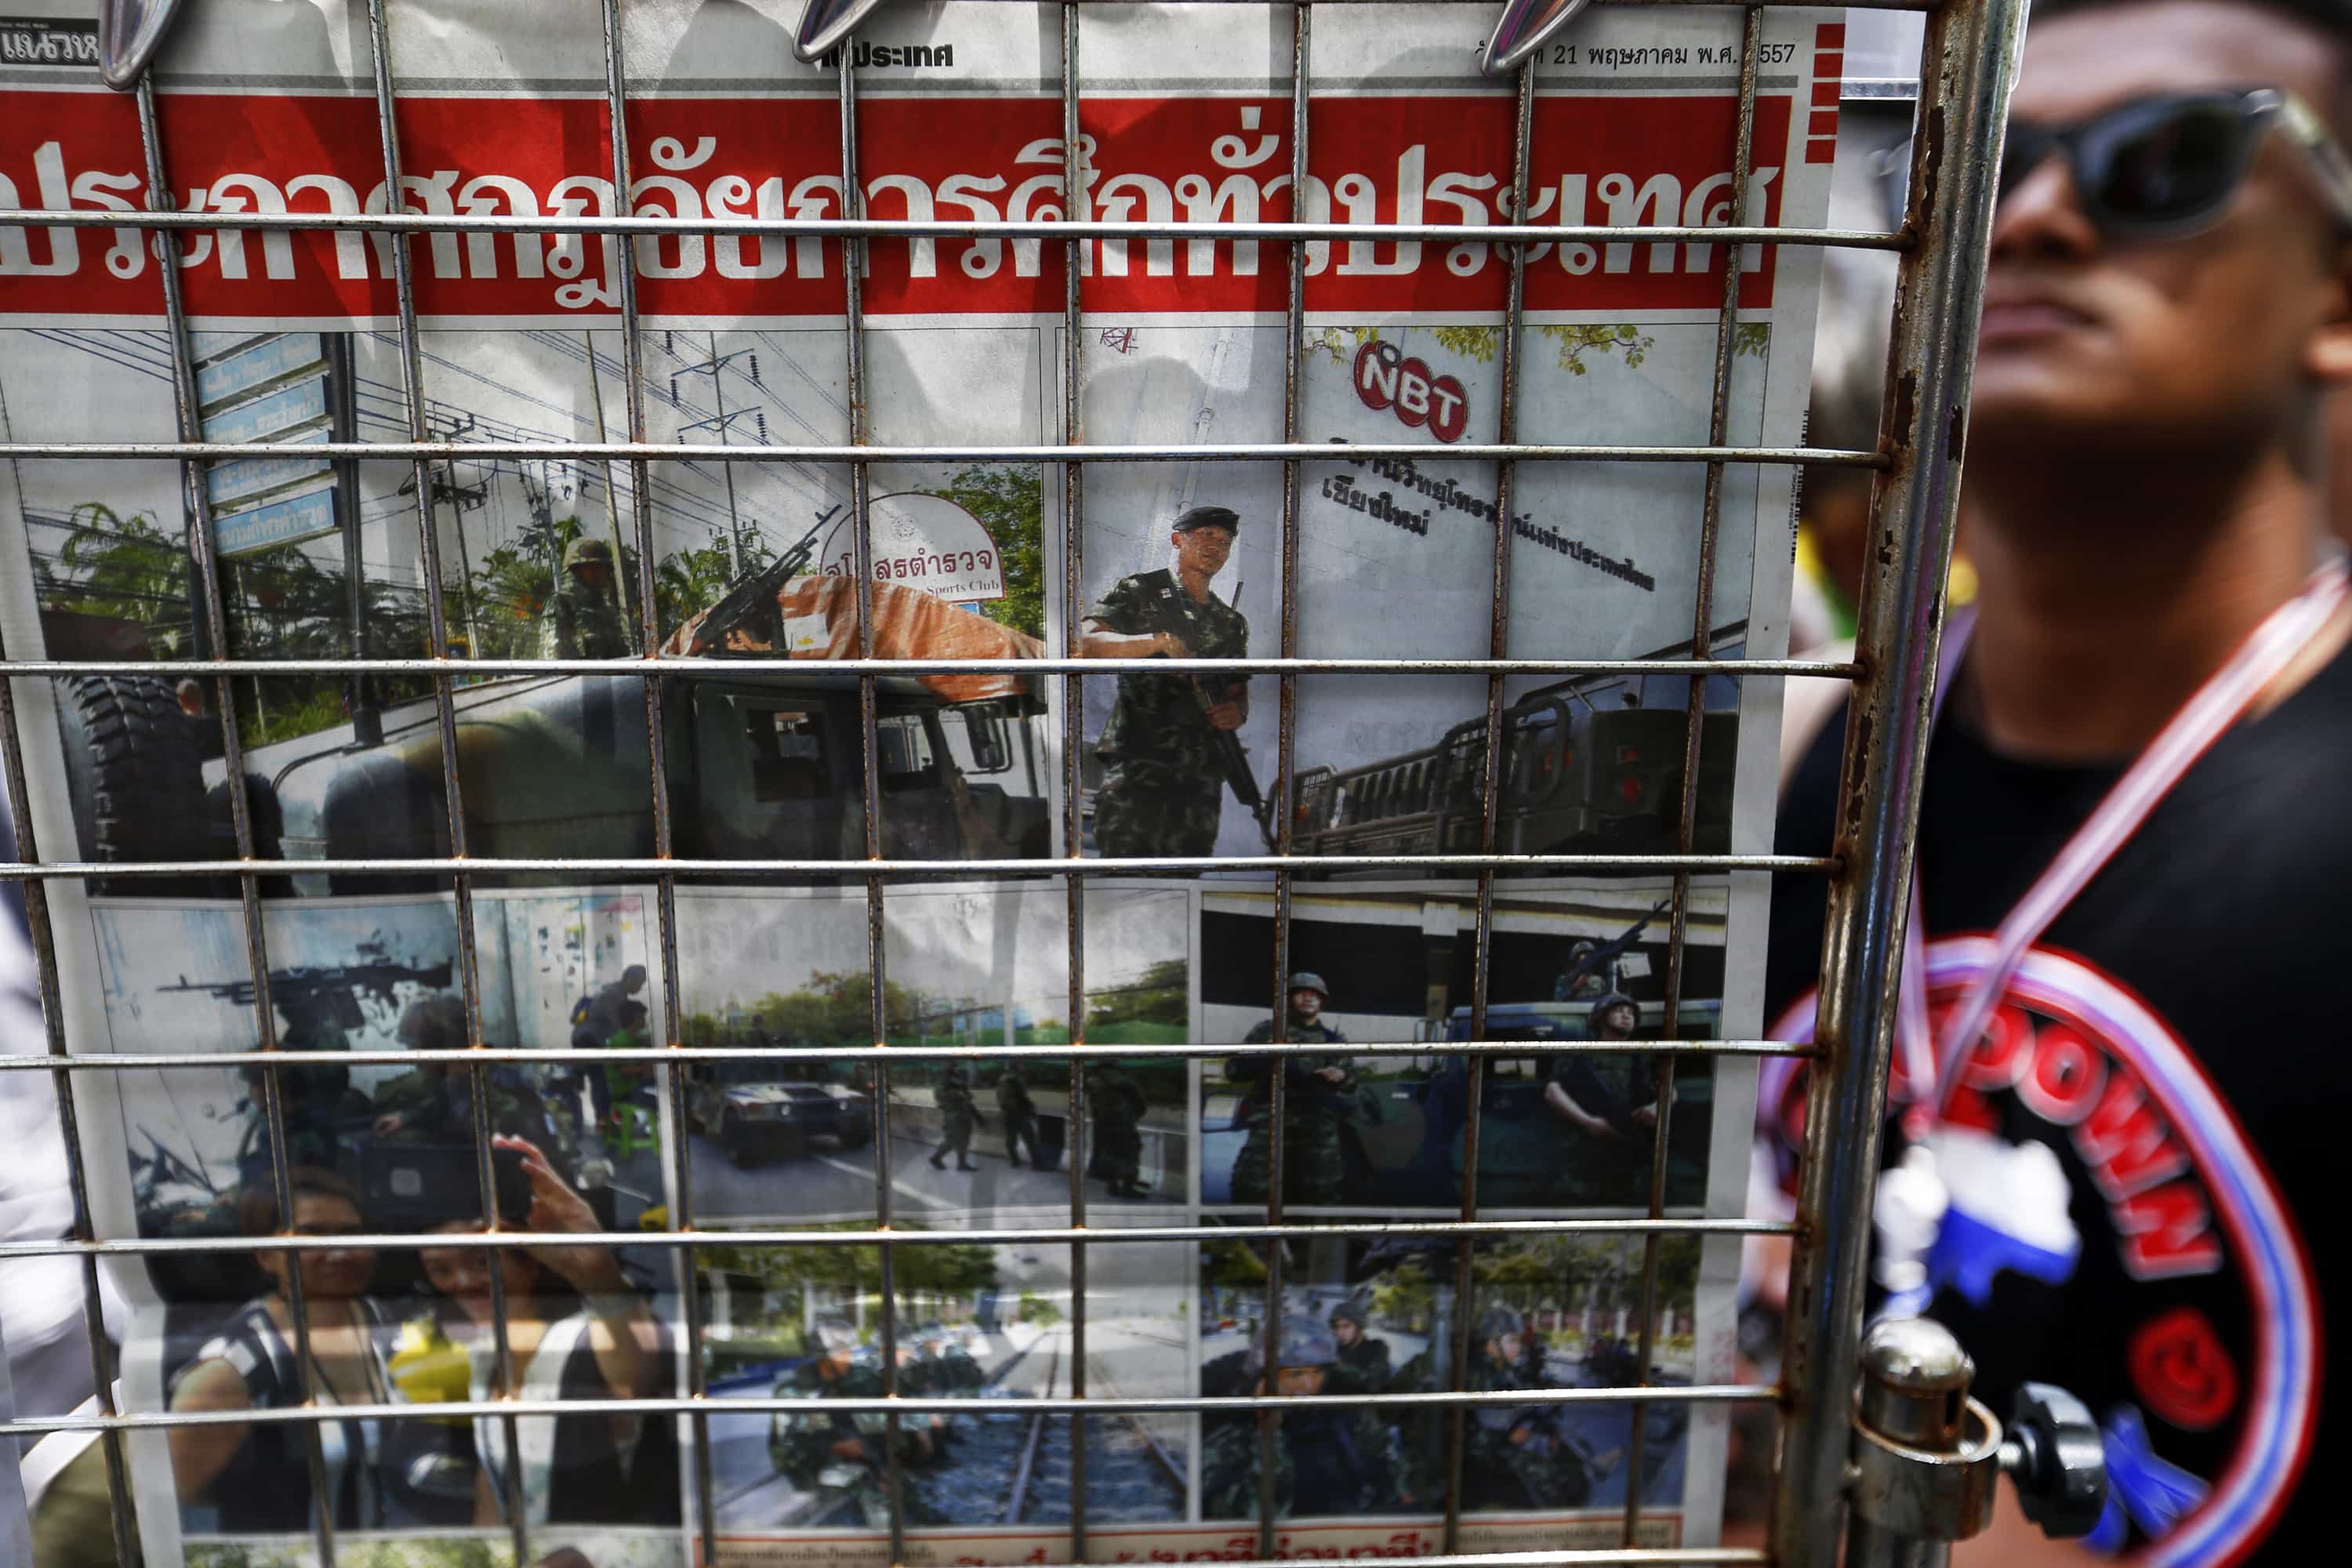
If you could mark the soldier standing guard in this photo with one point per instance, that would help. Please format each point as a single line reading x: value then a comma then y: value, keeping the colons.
x: 1320, y: 1094
x: 588, y: 621
x: 1019, y: 1113
x: 1163, y: 787
x: 1118, y: 1104
x: 957, y: 1114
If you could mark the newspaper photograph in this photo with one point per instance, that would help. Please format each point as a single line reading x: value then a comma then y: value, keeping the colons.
x: 742, y: 344
x: 971, y: 1322
x: 385, y: 1149
x: 977, y: 966
x: 1380, y: 1317
x: 1390, y: 965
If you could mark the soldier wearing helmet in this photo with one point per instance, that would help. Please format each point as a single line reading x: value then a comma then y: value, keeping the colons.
x: 957, y: 1113
x: 1163, y: 787
x: 1323, y: 1101
x: 1516, y: 1457
x: 588, y: 619
x: 835, y: 1453
x: 1328, y: 1462
x: 1607, y: 1109
x: 1362, y: 1362
x: 1116, y: 1105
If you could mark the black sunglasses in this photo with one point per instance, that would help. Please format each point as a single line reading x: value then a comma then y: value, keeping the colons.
x: 2159, y: 168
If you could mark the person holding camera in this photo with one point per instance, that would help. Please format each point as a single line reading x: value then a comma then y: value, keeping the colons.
x: 575, y: 1328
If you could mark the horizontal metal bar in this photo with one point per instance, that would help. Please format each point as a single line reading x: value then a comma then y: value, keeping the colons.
x: 462, y: 1409
x: 573, y: 1056
x: 949, y: 228
x: 578, y: 866
x: 152, y: 1246
x: 682, y: 452
x: 731, y: 666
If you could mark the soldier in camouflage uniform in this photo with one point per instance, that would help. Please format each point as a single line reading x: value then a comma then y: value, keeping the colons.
x: 1516, y: 1457
x: 1322, y: 1096
x: 1117, y: 1106
x: 588, y: 619
x: 957, y: 1115
x: 434, y: 1103
x: 1019, y: 1113
x: 1326, y: 1462
x: 1611, y: 1101
x: 836, y: 1455
x: 1362, y: 1365
x: 1163, y: 787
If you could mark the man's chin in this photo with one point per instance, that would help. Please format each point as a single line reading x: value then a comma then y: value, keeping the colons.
x: 2036, y: 406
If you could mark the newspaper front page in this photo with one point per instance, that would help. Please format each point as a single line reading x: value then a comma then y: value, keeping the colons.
x: 1184, y: 112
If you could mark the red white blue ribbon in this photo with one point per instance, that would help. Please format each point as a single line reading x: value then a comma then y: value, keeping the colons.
x: 1934, y: 1059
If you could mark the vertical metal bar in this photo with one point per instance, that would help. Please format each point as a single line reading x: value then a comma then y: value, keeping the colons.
x: 205, y: 589
x: 1302, y: 59
x: 343, y: 363
x: 42, y: 933
x: 1073, y: 744
x: 436, y: 619
x: 612, y: 507
x: 1726, y: 331
x: 1498, y: 640
x: 861, y: 494
x: 632, y: 367
x: 1966, y: 69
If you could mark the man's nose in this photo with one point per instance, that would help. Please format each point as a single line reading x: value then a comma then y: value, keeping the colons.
x: 2043, y: 214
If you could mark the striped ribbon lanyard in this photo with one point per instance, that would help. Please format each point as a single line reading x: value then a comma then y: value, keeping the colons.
x: 1932, y: 1058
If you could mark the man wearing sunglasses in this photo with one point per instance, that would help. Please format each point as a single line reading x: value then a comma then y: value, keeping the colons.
x: 2111, y: 1153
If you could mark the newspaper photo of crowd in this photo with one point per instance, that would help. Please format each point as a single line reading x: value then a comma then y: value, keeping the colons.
x: 1362, y: 1318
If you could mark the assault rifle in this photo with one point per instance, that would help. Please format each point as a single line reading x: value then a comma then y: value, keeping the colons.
x: 1603, y: 958
x: 315, y: 996
x: 1210, y: 690
x: 752, y: 606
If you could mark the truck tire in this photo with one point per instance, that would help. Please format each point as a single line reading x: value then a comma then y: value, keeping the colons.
x: 135, y: 776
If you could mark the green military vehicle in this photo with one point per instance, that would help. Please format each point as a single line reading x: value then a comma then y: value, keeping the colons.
x: 758, y: 766
x: 1592, y: 764
x: 753, y: 1116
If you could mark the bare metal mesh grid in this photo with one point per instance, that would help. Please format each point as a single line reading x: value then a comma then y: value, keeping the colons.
x: 1968, y: 57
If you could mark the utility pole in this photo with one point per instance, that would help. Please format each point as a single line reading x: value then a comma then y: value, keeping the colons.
x: 463, y: 499
x: 720, y: 422
x: 612, y: 500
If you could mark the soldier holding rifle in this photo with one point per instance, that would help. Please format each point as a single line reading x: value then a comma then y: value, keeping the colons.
x: 1170, y: 745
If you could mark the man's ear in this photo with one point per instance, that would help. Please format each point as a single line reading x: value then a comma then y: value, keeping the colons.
x: 2329, y: 354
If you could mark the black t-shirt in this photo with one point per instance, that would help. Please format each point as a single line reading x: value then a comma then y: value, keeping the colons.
x: 2139, y: 1154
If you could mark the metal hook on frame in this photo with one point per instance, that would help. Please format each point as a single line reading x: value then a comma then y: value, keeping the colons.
x: 129, y: 34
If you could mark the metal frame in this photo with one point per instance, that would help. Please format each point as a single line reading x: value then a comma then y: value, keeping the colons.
x: 1970, y: 59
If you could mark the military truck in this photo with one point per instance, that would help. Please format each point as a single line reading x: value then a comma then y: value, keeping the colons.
x: 758, y: 766
x: 1591, y: 764
x: 753, y: 1116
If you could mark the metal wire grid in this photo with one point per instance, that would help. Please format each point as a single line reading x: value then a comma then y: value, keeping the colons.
x: 1965, y: 71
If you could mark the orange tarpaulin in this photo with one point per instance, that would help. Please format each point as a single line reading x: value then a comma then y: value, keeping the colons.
x: 818, y: 619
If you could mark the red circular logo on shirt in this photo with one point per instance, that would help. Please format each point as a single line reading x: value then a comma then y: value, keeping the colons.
x: 2183, y: 1371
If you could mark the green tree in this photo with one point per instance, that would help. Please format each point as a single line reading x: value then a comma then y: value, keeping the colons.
x: 125, y: 568
x: 1156, y: 996
x: 1037, y: 1309
x: 1008, y: 500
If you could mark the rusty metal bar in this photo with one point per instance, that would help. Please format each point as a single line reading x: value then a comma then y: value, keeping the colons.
x: 1966, y: 69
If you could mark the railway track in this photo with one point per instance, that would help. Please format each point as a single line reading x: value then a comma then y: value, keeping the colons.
x: 1130, y: 1475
